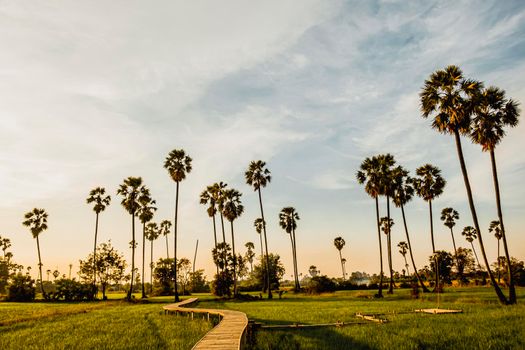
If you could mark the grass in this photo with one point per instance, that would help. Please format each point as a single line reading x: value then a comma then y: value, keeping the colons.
x: 96, y: 325
x: 484, y: 324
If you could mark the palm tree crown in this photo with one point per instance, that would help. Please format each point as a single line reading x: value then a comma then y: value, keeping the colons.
x: 36, y: 220
x: 130, y: 191
x: 495, y: 227
x: 178, y: 164
x: 402, y: 190
x: 209, y: 198
x: 232, y: 207
x: 152, y: 231
x: 470, y: 233
x: 96, y: 196
x: 257, y: 175
x: 430, y: 183
x: 386, y: 225
x: 258, y: 224
x: 339, y: 243
x: 449, y: 217
x: 403, y: 247
x: 288, y: 219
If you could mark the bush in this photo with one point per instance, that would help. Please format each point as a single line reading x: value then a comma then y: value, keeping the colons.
x: 71, y: 290
x: 222, y: 284
x: 320, y: 284
x: 21, y: 288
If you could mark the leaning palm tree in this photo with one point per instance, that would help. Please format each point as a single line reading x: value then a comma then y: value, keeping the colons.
x: 339, y: 243
x: 130, y: 191
x: 258, y: 224
x: 471, y: 234
x: 178, y: 165
x: 101, y: 201
x: 429, y: 185
x: 386, y: 227
x: 207, y: 198
x: 259, y: 176
x: 403, y: 250
x: 36, y: 220
x: 165, y: 228
x: 369, y: 175
x: 448, y: 98
x: 492, y: 113
x: 449, y: 217
x: 402, y: 193
x: 232, y: 210
x: 152, y: 233
x: 145, y: 213
x: 288, y: 221
x: 495, y: 227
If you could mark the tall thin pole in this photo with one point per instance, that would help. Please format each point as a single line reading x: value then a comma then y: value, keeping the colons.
x: 195, y: 256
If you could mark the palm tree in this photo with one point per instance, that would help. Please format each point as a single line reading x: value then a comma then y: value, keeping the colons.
x: 449, y: 217
x: 403, y: 250
x: 369, y: 175
x: 36, y: 220
x: 339, y: 243
x: 145, y: 214
x: 207, y: 197
x: 259, y: 176
x: 429, y: 185
x: 386, y: 227
x: 402, y: 193
x: 258, y: 224
x: 232, y: 210
x: 152, y: 233
x: 448, y: 97
x: 218, y: 189
x: 495, y: 227
x: 288, y: 221
x: 178, y: 165
x: 130, y: 191
x: 471, y: 234
x: 492, y: 113
x: 165, y: 228
x: 97, y: 196
x: 250, y: 254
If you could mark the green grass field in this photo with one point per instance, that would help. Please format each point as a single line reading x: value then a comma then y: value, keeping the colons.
x: 484, y: 324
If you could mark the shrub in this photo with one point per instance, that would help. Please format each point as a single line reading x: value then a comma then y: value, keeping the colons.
x: 71, y: 290
x: 222, y: 284
x: 21, y: 288
x: 320, y: 284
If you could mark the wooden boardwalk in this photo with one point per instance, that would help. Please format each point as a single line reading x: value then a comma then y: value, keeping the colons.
x: 229, y: 334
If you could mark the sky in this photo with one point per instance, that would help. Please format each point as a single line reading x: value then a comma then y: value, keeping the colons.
x: 92, y: 92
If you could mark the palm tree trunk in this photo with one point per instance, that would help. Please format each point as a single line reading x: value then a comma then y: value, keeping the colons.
x: 512, y: 290
x: 499, y: 293
x: 215, y: 238
x: 40, y: 268
x: 436, y: 285
x: 499, y: 265
x: 389, y: 242
x: 425, y: 289
x: 222, y: 225
x: 167, y: 249
x: 342, y: 266
x: 293, y: 264
x: 151, y: 269
x: 297, y: 285
x: 454, y: 244
x: 380, y: 291
x: 476, y: 255
x: 143, y: 257
x: 175, y: 242
x: 266, y: 246
x: 234, y: 262
x: 95, y: 257
x: 132, y: 256
x: 406, y: 264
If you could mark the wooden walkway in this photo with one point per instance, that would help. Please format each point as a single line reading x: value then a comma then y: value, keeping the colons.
x: 229, y: 334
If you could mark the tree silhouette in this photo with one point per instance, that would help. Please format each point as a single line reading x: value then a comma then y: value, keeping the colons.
x: 36, y: 220
x: 259, y: 176
x: 403, y: 250
x: 250, y: 254
x: 449, y: 217
x: 152, y: 233
x: 495, y: 227
x: 471, y: 234
x: 146, y: 211
x: 209, y: 198
x: 232, y: 210
x: 165, y: 228
x: 178, y: 165
x: 339, y: 243
x: 288, y: 221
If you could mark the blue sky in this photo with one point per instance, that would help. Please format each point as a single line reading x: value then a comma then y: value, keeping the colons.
x: 94, y: 92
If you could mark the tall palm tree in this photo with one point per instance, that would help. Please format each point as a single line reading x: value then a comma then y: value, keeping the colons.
x: 232, y: 210
x: 471, y: 234
x: 448, y: 98
x: 386, y: 227
x: 369, y: 175
x: 178, y: 165
x: 101, y: 201
x: 495, y: 227
x: 130, y: 191
x: 165, y: 228
x: 492, y: 113
x: 288, y: 221
x: 250, y: 254
x: 429, y: 185
x: 152, y: 233
x: 145, y: 213
x: 36, y: 220
x: 449, y: 217
x: 403, y: 250
x: 208, y: 198
x: 402, y: 193
x: 218, y: 196
x: 339, y: 243
x: 259, y: 176
x: 258, y: 224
